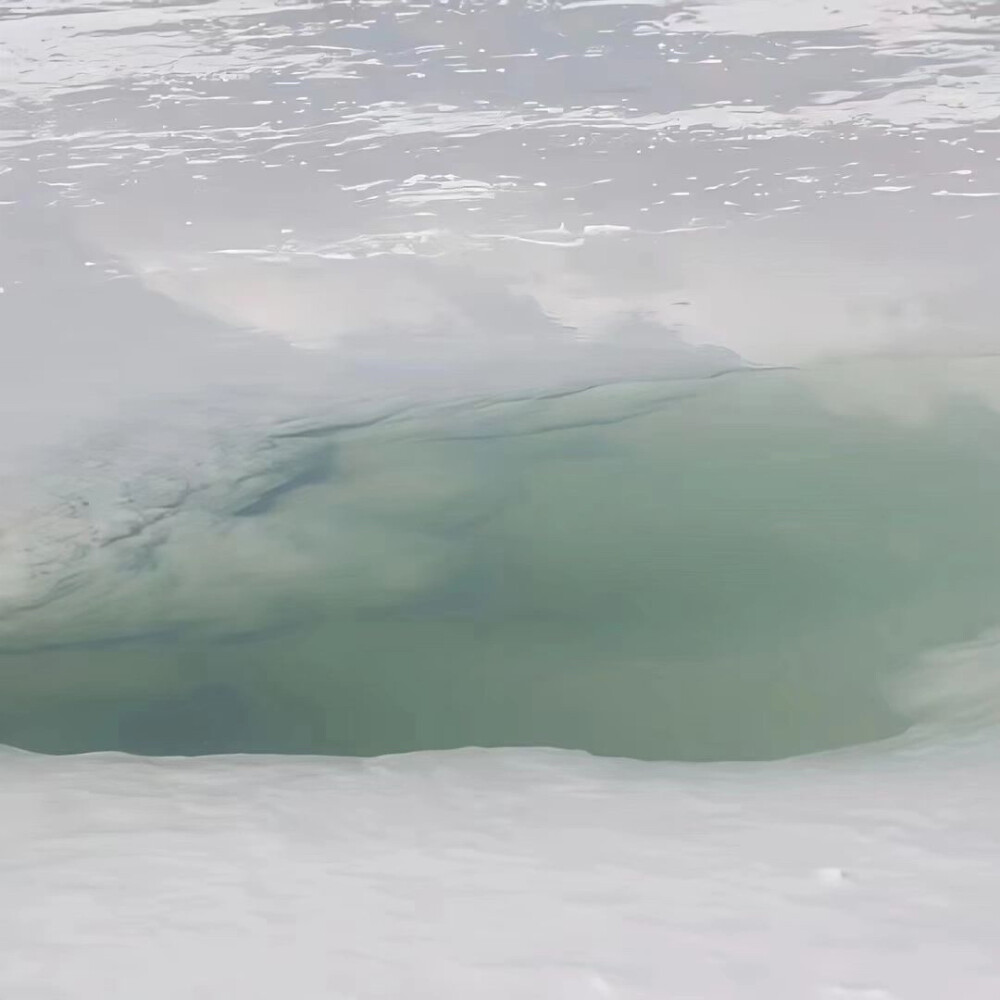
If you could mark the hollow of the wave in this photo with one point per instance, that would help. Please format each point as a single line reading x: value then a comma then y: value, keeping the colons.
x: 735, y: 575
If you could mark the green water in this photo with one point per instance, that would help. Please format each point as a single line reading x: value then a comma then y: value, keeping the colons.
x: 734, y: 574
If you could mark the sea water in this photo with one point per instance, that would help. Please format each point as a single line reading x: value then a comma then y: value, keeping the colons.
x: 388, y: 376
x: 737, y: 571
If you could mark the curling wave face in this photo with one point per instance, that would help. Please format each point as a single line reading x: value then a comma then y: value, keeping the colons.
x: 571, y: 373
x: 741, y: 567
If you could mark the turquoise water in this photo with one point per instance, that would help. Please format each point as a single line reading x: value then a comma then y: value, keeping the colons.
x: 733, y: 571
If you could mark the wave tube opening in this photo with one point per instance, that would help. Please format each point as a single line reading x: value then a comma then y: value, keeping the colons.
x: 735, y: 572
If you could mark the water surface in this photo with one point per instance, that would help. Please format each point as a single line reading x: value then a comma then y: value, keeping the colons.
x: 384, y: 376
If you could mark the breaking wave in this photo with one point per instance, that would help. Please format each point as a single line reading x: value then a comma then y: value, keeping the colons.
x: 743, y: 567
